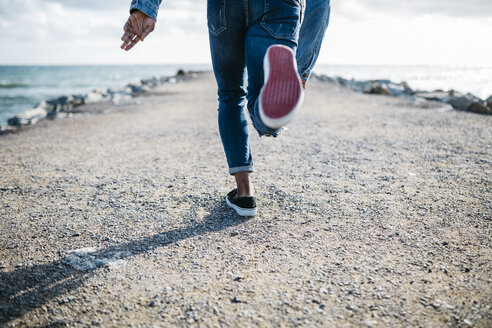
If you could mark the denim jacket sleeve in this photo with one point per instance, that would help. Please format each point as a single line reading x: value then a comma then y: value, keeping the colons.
x: 148, y: 7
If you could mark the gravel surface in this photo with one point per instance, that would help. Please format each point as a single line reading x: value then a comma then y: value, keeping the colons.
x: 372, y: 212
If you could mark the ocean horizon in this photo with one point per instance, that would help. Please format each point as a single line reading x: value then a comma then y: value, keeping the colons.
x: 22, y: 86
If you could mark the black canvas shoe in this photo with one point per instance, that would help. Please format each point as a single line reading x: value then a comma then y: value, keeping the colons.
x: 244, y: 206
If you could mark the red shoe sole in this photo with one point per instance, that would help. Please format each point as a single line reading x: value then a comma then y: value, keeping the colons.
x: 282, y: 92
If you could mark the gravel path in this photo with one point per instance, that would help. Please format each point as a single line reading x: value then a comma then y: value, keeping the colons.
x: 373, y: 212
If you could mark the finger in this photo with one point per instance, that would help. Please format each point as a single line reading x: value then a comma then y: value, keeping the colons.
x: 132, y: 44
x: 146, y: 32
x: 128, y: 36
x: 127, y: 27
x: 127, y: 39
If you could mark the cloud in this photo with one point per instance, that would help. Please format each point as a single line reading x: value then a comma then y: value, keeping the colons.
x: 405, y: 8
x: 361, y: 31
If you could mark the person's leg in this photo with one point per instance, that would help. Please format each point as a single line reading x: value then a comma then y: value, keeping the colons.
x: 314, y: 25
x: 227, y: 49
x: 270, y: 22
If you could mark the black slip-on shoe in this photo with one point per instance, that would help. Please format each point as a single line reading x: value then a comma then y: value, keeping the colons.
x: 244, y: 206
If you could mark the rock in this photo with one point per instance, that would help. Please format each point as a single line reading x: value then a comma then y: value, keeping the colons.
x: 139, y: 88
x: 28, y: 117
x: 63, y: 103
x: 123, y: 99
x: 432, y: 96
x: 468, y: 102
x: 488, y: 102
x: 78, y: 100
x: 377, y: 87
x: 342, y: 81
x: 102, y: 92
x: 47, y: 106
x: 323, y: 78
x: 398, y: 90
x: 181, y: 73
x: 94, y: 97
x: 236, y: 300
x: 152, y: 82
x: 4, y: 129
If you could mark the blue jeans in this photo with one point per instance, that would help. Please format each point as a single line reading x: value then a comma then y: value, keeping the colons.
x: 314, y: 25
x: 240, y: 32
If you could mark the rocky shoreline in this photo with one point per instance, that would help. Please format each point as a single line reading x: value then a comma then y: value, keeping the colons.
x: 459, y: 101
x: 70, y: 105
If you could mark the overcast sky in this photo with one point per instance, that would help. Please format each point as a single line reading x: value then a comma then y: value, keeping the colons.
x: 361, y: 32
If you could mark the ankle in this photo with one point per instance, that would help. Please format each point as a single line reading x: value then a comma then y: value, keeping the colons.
x: 244, y: 185
x: 245, y: 192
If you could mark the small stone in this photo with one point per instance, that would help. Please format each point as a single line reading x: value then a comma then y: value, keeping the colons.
x: 236, y: 300
x: 152, y: 304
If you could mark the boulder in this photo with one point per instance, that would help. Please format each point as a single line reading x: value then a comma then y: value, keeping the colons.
x: 28, y: 117
x: 103, y: 92
x: 324, y: 78
x: 4, y: 129
x: 121, y: 98
x: 398, y: 89
x: 93, y: 98
x: 78, y: 100
x: 44, y: 104
x: 138, y: 89
x: 152, y: 82
x: 468, y: 102
x: 342, y: 81
x: 436, y: 95
x: 488, y: 102
x: 63, y: 103
x: 377, y: 87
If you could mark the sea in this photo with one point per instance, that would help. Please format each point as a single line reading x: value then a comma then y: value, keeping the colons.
x: 21, y: 87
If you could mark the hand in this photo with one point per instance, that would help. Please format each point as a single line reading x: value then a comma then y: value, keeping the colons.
x: 137, y: 27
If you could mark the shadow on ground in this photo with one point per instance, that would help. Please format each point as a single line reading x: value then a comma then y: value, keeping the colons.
x: 26, y: 288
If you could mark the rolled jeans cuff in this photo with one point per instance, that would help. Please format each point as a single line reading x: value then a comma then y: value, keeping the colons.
x: 146, y: 7
x: 237, y: 169
x: 305, y: 75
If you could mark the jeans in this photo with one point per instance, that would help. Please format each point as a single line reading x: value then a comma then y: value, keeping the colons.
x: 240, y: 32
x: 314, y: 25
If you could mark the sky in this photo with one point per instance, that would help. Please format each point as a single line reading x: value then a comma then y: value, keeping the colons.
x: 452, y: 32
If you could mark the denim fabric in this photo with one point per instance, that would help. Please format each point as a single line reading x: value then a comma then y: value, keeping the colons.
x: 148, y: 7
x: 240, y: 33
x: 315, y: 22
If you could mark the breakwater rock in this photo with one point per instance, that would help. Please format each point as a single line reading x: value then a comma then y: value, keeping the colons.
x: 68, y: 105
x: 465, y: 102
